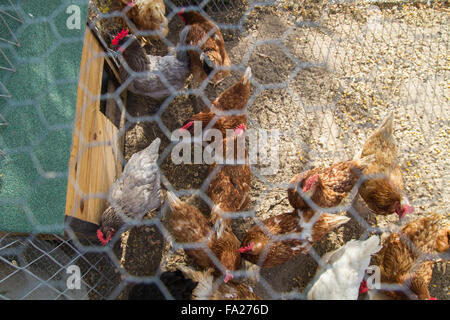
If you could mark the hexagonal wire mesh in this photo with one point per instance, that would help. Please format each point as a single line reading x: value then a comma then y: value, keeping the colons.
x: 324, y: 75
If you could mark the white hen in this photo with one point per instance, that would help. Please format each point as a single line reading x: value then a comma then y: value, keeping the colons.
x: 341, y: 279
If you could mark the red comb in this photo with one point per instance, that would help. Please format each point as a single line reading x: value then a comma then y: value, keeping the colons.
x: 181, y: 12
x: 433, y: 298
x: 122, y: 34
x: 101, y: 237
x: 310, y: 182
x: 363, y: 287
x: 240, y: 129
x: 247, y: 248
x: 187, y: 125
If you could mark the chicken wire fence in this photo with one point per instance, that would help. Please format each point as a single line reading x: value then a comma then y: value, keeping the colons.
x: 324, y: 74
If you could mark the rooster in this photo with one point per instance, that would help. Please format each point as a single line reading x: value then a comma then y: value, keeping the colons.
x: 384, y: 195
x: 326, y: 186
x: 257, y: 244
x: 189, y: 225
x: 233, y: 100
x: 147, y: 15
x: 229, y: 190
x: 405, y: 258
x: 151, y: 75
x: 341, y: 279
x: 134, y: 193
x: 211, y: 53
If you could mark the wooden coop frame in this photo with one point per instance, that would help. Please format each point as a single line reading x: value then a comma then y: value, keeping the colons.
x: 96, y: 157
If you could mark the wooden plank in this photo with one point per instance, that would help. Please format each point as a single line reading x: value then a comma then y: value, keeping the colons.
x: 114, y: 70
x: 92, y: 164
x: 113, y: 113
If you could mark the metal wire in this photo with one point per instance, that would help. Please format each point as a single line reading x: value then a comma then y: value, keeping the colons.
x: 352, y: 51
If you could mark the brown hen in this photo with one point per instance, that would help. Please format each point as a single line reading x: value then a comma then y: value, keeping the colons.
x: 188, y: 225
x: 211, y: 54
x: 233, y: 99
x: 229, y: 189
x: 256, y: 241
x: 147, y: 15
x: 404, y: 259
x: 206, y: 289
x: 325, y: 186
x: 384, y: 195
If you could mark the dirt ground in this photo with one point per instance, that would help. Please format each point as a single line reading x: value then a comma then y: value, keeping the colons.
x: 324, y: 77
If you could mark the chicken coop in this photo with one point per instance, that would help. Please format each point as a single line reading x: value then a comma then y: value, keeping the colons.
x: 322, y: 84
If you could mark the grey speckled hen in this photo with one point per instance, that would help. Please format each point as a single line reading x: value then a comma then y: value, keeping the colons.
x: 153, y: 73
x: 134, y: 193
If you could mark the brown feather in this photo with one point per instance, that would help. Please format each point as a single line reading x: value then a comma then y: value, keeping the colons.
x: 335, y: 182
x: 231, y: 290
x: 280, y: 252
x: 211, y: 44
x: 443, y: 238
x: 381, y: 194
x: 404, y: 265
x: 187, y: 224
x: 222, y: 123
x: 233, y: 98
x: 229, y: 190
x: 148, y: 15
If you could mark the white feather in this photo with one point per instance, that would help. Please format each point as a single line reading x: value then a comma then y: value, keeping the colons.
x: 306, y: 233
x: 204, y: 287
x: 343, y: 276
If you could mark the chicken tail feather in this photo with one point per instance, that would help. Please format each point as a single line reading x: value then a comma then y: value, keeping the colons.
x: 384, y: 131
x: 386, y: 126
x: 334, y: 220
x: 174, y: 201
x: 365, y: 161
